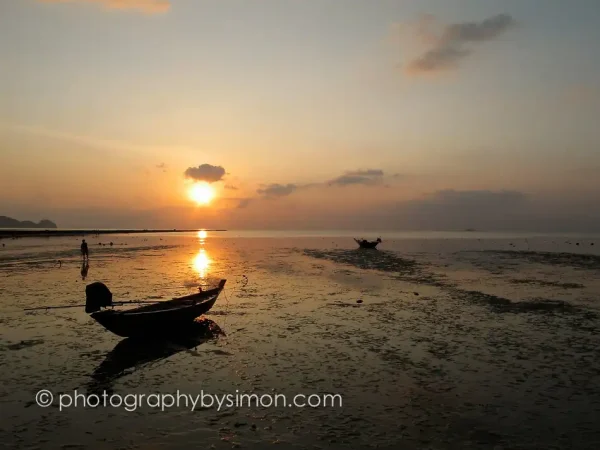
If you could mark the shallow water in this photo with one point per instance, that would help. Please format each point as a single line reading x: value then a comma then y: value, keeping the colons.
x: 459, y: 341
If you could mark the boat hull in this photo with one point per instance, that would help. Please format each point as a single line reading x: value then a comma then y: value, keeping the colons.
x: 367, y: 244
x: 157, y: 320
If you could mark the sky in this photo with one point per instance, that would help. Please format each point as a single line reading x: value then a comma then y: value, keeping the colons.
x: 330, y: 114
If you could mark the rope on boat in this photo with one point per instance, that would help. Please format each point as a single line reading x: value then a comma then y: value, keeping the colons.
x: 240, y: 284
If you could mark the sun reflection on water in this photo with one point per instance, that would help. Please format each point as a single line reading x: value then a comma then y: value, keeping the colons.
x: 201, y: 263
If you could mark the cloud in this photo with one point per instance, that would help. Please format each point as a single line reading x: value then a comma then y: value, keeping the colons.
x: 231, y: 187
x: 205, y: 172
x: 477, y: 32
x: 277, y: 190
x: 145, y: 6
x: 162, y: 166
x: 454, y: 209
x: 438, y: 59
x: 368, y: 173
x: 447, y: 48
x: 364, y: 177
x: 475, y: 198
x: 244, y: 203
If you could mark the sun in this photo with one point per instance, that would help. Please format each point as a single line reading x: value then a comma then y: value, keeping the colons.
x: 201, y: 193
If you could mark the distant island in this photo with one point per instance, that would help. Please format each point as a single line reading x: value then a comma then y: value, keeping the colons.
x: 8, y: 222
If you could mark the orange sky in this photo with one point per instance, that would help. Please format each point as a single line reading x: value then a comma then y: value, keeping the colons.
x: 315, y: 119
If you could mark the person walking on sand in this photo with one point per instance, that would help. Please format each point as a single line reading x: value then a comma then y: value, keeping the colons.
x: 84, y: 250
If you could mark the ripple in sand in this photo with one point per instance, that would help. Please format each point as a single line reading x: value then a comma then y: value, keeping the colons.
x: 24, y: 344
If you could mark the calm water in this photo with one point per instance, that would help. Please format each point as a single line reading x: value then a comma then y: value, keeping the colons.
x: 460, y: 340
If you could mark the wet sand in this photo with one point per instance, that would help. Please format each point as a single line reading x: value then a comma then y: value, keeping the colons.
x: 473, y: 342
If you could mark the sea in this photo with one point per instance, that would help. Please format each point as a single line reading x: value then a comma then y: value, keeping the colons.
x: 436, y: 340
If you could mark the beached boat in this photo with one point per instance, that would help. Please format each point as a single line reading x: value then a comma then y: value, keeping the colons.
x: 156, y: 319
x: 363, y: 243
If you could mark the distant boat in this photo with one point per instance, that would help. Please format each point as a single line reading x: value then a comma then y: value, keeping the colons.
x: 470, y: 229
x: 158, y: 318
x: 363, y: 243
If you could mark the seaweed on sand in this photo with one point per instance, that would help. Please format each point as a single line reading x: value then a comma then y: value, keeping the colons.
x: 545, y: 283
x: 577, y: 260
x: 505, y: 305
x: 383, y: 261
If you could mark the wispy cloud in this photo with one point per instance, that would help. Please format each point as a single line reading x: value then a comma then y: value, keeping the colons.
x: 364, y: 177
x: 277, y: 190
x: 205, y: 172
x: 231, y: 187
x: 448, y: 46
x: 145, y: 6
x: 162, y: 166
x: 88, y: 141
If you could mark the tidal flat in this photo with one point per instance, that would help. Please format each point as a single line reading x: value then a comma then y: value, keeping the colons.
x: 456, y: 341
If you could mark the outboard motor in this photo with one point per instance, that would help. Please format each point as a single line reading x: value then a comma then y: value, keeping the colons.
x: 97, y: 295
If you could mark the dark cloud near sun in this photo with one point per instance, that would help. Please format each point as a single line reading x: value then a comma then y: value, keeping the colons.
x: 365, y: 177
x: 450, y: 46
x: 205, y: 172
x: 278, y: 190
x: 231, y: 187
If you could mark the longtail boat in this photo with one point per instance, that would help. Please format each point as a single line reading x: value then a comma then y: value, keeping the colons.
x: 151, y: 320
x: 363, y: 243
